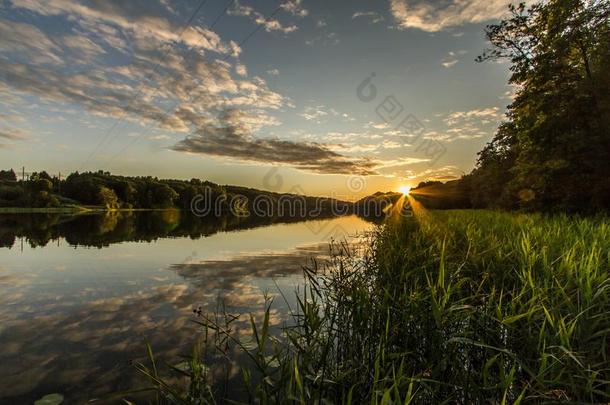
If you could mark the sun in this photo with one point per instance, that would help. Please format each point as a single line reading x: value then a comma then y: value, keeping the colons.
x: 404, y: 189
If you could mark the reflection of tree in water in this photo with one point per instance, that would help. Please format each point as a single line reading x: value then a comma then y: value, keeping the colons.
x: 108, y: 222
x: 38, y: 229
x: 99, y: 230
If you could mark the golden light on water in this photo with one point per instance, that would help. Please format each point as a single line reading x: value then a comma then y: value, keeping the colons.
x: 404, y: 189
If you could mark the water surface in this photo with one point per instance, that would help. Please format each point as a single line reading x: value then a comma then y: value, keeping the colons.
x: 78, y: 294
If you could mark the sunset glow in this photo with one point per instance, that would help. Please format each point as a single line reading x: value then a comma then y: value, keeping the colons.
x: 404, y: 189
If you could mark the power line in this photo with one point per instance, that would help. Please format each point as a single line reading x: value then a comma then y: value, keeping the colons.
x: 156, y: 67
x: 240, y: 44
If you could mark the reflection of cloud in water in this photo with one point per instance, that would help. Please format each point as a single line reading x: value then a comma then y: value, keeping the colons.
x: 224, y: 274
x: 82, y: 348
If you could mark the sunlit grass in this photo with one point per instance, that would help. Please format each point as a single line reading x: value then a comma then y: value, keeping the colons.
x: 447, y: 306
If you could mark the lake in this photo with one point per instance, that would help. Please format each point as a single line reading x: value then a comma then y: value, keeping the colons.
x: 80, y: 293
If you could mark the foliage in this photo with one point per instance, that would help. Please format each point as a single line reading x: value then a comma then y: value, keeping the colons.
x: 164, y: 196
x: 36, y: 192
x: 552, y: 154
x: 428, y: 183
x: 43, y: 199
x: 107, y: 198
x: 8, y: 175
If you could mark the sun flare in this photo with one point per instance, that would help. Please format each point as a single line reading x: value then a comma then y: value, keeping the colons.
x: 404, y: 189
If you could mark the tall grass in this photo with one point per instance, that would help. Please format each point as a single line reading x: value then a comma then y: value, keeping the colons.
x: 445, y: 307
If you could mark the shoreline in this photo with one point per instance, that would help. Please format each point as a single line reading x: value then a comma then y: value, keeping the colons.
x: 75, y: 210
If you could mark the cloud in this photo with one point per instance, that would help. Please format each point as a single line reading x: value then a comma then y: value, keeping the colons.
x: 463, y: 125
x: 481, y: 113
x: 377, y: 125
x: 84, y: 46
x: 320, y: 113
x: 450, y: 60
x: 27, y: 41
x: 294, y: 7
x: 141, y: 18
x: 314, y: 113
x: 233, y: 139
x: 159, y: 138
x: 327, y: 39
x: 13, y: 134
x: 399, y: 162
x: 373, y: 16
x: 273, y: 72
x: 437, y: 16
x: 355, y: 148
x: 445, y: 173
x: 241, y: 69
x: 175, y: 82
x: 270, y: 24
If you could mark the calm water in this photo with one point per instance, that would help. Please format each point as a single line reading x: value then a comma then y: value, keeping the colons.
x: 78, y: 294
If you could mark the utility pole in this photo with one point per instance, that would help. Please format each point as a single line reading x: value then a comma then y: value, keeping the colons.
x: 23, y: 173
x: 59, y: 184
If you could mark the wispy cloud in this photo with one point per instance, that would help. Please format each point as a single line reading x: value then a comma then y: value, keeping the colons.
x: 324, y: 39
x: 13, y: 134
x: 270, y: 24
x: 464, y: 125
x: 295, y: 8
x: 449, y: 60
x: 322, y: 113
x: 436, y: 16
x: 444, y: 173
x: 373, y: 16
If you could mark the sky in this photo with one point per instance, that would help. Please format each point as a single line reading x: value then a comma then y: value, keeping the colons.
x: 334, y: 98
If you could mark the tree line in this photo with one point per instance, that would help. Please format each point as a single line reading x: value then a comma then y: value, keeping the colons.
x: 105, y: 190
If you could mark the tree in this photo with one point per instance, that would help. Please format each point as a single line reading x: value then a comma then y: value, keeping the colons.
x: 107, y: 198
x: 44, y: 199
x: 126, y: 192
x: 428, y: 183
x: 163, y: 196
x: 41, y: 184
x: 7, y: 175
x: 553, y: 151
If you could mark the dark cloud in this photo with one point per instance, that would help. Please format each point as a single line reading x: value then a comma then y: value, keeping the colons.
x: 233, y: 139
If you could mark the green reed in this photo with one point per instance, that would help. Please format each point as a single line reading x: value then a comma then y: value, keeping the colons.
x: 445, y: 307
